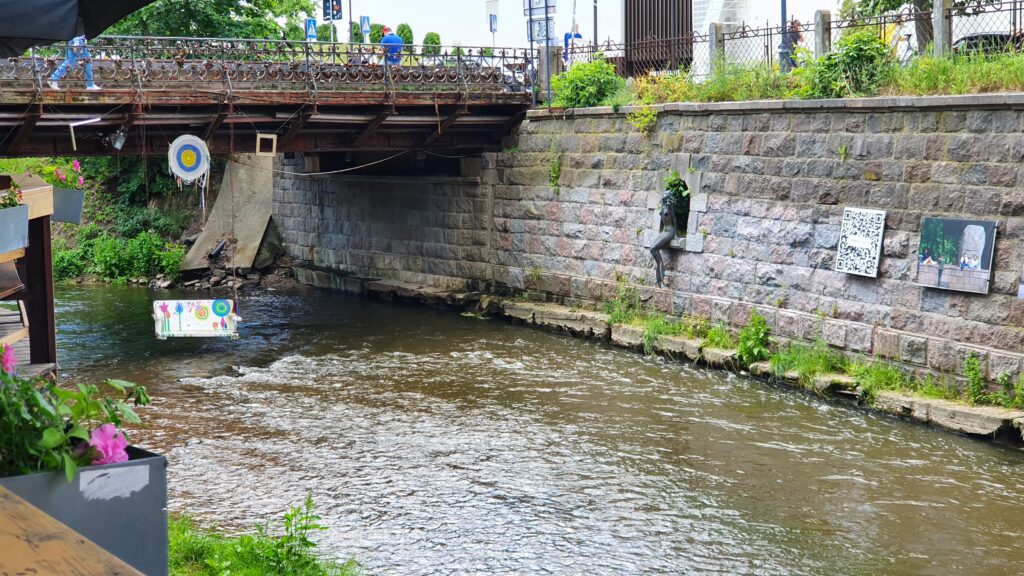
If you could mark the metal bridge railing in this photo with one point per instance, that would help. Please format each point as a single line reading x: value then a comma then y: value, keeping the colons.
x: 239, y: 64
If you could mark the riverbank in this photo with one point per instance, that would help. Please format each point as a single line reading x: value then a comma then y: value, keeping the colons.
x: 984, y: 422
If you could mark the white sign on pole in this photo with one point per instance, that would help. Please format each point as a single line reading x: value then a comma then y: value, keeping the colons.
x: 538, y: 32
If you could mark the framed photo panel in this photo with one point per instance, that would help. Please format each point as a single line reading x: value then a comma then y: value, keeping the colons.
x: 956, y: 254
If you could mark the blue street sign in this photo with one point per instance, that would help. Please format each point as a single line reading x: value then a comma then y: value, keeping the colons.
x: 311, y: 28
x: 494, y: 23
x: 364, y: 22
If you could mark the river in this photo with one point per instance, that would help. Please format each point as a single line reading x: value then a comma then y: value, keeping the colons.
x: 435, y: 443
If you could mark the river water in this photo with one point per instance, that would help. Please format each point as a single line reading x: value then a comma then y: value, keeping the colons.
x: 440, y: 444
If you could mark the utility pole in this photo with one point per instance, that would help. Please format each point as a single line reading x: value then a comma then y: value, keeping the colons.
x: 350, y: 20
x: 595, y: 26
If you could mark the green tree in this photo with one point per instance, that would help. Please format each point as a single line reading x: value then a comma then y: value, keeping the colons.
x: 404, y: 31
x: 323, y: 33
x: 355, y: 34
x: 432, y: 44
x: 487, y: 51
x: 923, y: 27
x: 294, y: 31
x: 214, y: 18
x: 376, y: 33
x: 458, y: 51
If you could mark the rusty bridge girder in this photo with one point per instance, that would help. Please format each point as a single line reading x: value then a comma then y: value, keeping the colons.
x: 314, y: 97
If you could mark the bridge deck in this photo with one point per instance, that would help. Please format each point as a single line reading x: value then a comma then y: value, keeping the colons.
x: 156, y: 89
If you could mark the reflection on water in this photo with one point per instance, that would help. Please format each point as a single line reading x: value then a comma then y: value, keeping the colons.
x: 439, y: 444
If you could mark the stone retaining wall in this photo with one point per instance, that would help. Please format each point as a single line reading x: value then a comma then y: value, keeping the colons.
x: 776, y: 177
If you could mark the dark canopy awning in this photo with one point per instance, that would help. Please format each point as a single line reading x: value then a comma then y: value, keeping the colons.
x: 24, y: 24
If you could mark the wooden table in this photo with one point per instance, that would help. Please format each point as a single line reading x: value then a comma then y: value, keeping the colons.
x: 33, y: 543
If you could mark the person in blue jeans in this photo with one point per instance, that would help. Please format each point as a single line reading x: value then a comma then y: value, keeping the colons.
x: 77, y: 50
x: 392, y: 44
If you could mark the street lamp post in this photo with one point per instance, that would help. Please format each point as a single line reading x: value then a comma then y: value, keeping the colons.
x: 595, y: 25
x: 785, y: 50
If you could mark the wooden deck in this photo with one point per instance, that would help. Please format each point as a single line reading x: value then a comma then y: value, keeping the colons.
x: 34, y: 543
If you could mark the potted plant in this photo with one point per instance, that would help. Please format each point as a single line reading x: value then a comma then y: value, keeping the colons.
x: 65, y: 453
x: 13, y: 220
x: 675, y: 185
x: 69, y: 194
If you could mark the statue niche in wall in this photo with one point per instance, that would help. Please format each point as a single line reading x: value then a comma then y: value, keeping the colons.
x: 675, y: 209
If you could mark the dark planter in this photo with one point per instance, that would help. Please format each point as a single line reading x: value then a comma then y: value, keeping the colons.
x: 120, y: 507
x: 13, y: 228
x: 67, y: 205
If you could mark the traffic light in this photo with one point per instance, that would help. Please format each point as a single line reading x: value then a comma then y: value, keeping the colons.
x: 327, y: 11
x: 336, y: 9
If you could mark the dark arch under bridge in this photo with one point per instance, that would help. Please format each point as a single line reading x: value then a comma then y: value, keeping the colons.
x: 314, y: 97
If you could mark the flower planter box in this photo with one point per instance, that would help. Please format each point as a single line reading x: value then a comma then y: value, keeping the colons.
x: 120, y: 507
x: 67, y: 205
x: 13, y: 228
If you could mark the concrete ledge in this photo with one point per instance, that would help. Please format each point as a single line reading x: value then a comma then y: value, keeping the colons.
x: 719, y: 358
x: 627, y: 336
x: 580, y: 322
x: 677, y: 345
x: 832, y: 383
x: 974, y: 420
x: 879, y: 103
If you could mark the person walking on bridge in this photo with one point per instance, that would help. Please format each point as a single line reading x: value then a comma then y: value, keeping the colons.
x: 77, y: 50
x: 392, y: 44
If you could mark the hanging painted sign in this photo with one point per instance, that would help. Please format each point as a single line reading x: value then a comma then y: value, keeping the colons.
x: 195, y: 319
x: 189, y: 159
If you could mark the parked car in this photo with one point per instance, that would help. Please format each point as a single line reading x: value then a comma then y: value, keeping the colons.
x: 988, y: 43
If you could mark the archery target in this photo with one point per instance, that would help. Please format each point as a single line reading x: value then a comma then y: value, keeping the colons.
x: 221, y: 308
x: 202, y: 313
x: 188, y: 158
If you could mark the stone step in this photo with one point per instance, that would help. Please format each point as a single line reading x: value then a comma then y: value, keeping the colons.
x: 679, y: 346
x: 719, y: 357
x: 627, y: 336
x: 974, y: 420
x: 833, y: 383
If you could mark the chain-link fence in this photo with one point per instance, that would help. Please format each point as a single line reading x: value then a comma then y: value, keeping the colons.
x: 988, y: 26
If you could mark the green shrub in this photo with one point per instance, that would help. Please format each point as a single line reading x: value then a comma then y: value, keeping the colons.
x: 587, y: 84
x: 858, y: 66
x: 198, y: 552
x: 626, y: 305
x: 959, y: 74
x: 67, y: 262
x: 404, y: 31
x: 376, y: 33
x: 719, y: 337
x: 676, y: 185
x: 643, y: 119
x: 753, y: 340
x: 976, y: 389
x: 931, y: 387
x: 555, y: 173
x: 143, y: 256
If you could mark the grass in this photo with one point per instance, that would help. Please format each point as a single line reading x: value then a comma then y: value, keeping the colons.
x: 198, y: 552
x: 959, y: 74
x: 627, y: 309
x: 876, y: 376
x: 718, y: 337
x: 809, y: 360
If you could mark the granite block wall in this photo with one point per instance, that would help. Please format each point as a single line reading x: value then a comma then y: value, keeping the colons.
x: 776, y: 177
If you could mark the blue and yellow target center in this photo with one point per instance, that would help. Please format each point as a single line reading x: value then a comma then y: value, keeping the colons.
x: 221, y: 308
x: 189, y: 158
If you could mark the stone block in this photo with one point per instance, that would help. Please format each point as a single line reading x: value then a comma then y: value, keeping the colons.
x: 679, y: 346
x: 789, y: 324
x: 695, y: 242
x: 887, y: 344
x: 834, y: 332
x: 858, y: 338
x: 1000, y: 363
x: 720, y: 358
x: 698, y: 202
x: 914, y: 349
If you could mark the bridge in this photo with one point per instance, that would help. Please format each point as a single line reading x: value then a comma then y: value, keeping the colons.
x: 300, y: 96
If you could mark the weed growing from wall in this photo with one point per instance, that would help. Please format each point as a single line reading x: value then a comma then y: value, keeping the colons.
x: 753, y: 340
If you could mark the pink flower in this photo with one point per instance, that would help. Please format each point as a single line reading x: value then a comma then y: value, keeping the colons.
x: 109, y: 444
x: 81, y: 182
x: 9, y: 362
x: 60, y: 175
x: 76, y: 165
